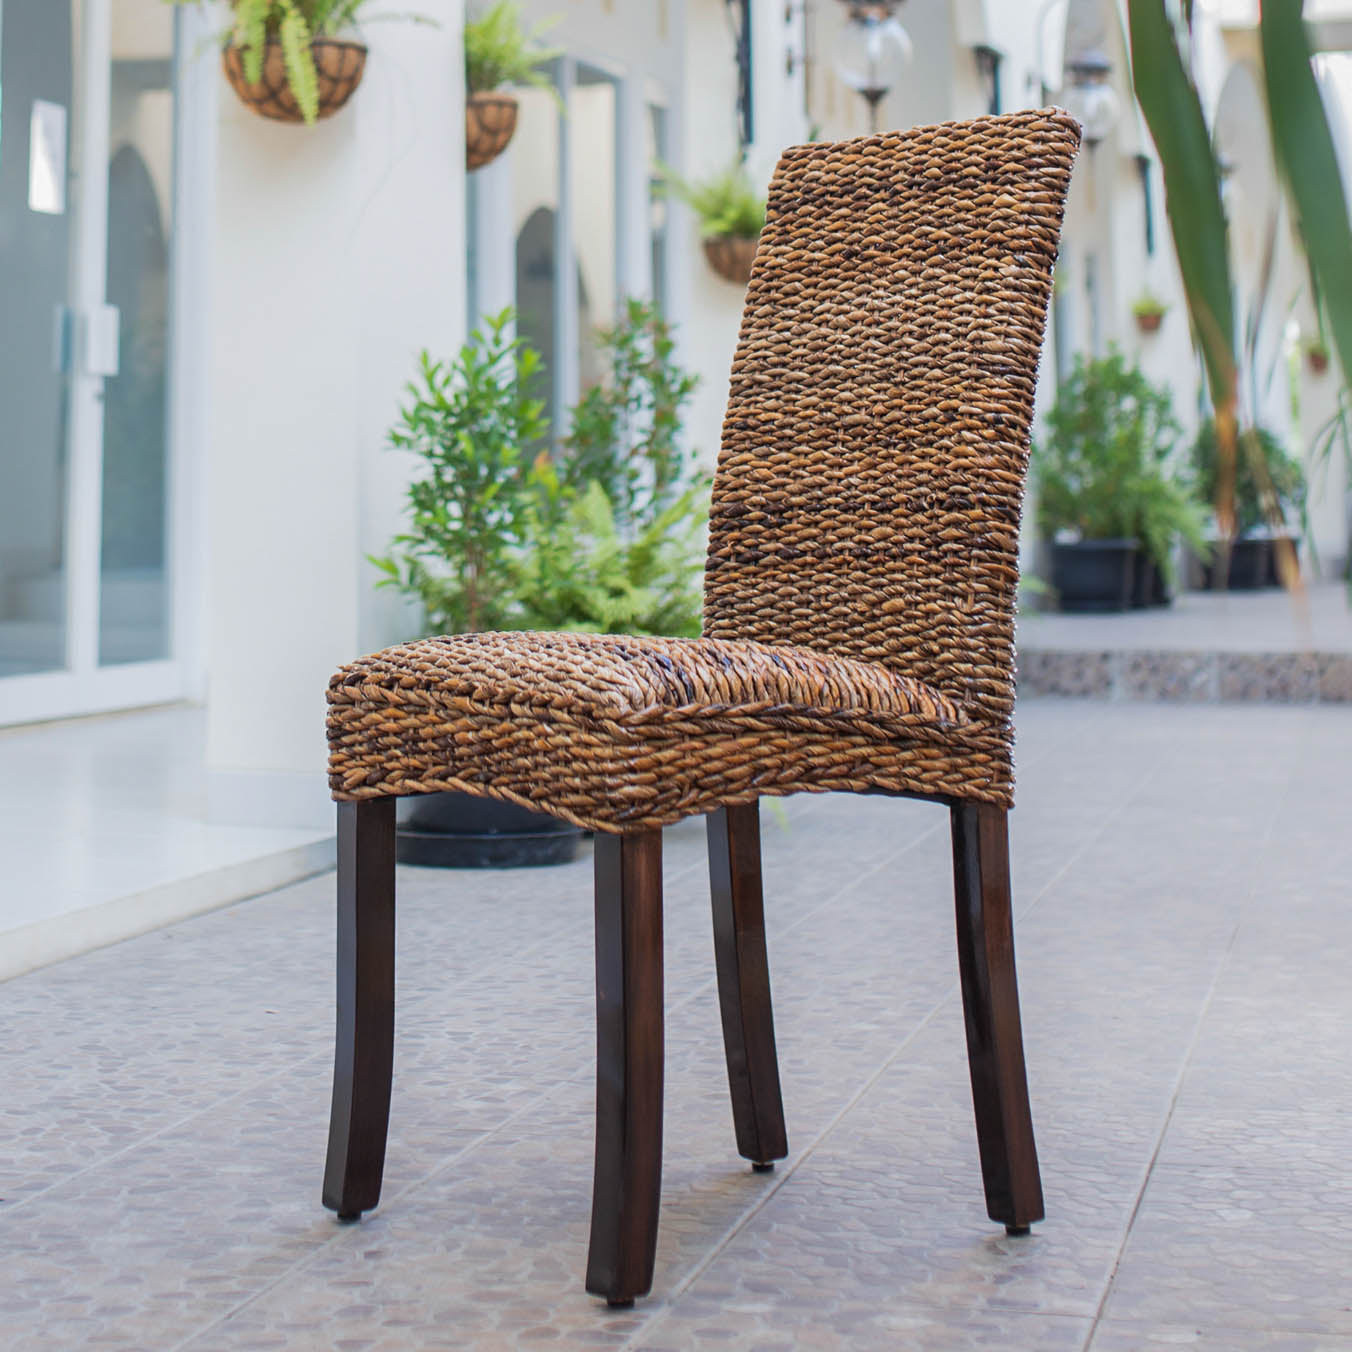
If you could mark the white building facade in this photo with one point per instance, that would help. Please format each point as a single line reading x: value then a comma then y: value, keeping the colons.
x: 208, y: 318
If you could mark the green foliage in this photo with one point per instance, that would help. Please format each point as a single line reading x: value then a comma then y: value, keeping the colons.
x: 1104, y: 468
x: 625, y: 431
x: 726, y: 204
x: 1304, y: 151
x: 1147, y: 304
x: 1269, y: 485
x: 300, y: 63
x: 582, y: 574
x: 1192, y: 192
x: 469, y: 515
x: 501, y: 50
x: 607, y: 538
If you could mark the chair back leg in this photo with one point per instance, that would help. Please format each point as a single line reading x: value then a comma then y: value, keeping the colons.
x: 990, y: 998
x: 364, y: 1057
x: 629, y: 1063
x: 744, y: 983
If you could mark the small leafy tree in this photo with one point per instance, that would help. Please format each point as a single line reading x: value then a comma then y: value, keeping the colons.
x: 1104, y: 468
x: 625, y: 432
x: 469, y: 422
x: 606, y: 537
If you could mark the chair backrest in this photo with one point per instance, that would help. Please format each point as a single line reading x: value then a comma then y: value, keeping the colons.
x: 876, y: 441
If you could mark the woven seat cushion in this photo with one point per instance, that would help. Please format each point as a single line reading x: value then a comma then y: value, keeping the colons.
x: 614, y: 731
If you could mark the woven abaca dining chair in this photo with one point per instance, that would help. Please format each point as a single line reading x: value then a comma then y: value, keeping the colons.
x: 858, y: 635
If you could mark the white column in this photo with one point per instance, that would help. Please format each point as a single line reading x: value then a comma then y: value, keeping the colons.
x: 339, y: 254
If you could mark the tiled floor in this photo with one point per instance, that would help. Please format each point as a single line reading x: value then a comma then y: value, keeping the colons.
x: 1185, y: 940
x: 103, y: 833
x: 1263, y: 646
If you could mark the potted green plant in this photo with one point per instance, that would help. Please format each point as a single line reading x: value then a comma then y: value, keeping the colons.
x: 731, y: 214
x: 1268, y: 501
x: 604, y: 535
x: 1108, y: 497
x: 293, y: 60
x: 1149, y: 311
x: 1316, y: 355
x: 471, y: 423
x: 500, y: 51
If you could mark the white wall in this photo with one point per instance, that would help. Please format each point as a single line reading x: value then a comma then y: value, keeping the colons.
x: 339, y: 252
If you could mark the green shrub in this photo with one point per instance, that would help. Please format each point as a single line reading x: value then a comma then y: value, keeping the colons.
x: 1104, y: 469
x: 606, y: 535
x: 469, y: 423
x: 1269, y: 485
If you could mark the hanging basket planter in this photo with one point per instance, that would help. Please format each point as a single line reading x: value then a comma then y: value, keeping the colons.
x: 731, y: 256
x: 1149, y: 321
x: 490, y: 123
x: 1317, y: 359
x: 339, y: 64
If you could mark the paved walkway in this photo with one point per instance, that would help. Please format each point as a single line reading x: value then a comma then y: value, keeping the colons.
x: 1185, y: 939
x: 1263, y: 646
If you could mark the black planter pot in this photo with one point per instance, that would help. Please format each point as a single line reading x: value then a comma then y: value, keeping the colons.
x: 1094, y: 574
x: 1250, y: 566
x: 1274, y: 553
x: 1148, y: 587
x: 458, y: 830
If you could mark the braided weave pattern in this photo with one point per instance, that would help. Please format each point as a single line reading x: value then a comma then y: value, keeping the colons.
x: 863, y: 556
x: 339, y: 65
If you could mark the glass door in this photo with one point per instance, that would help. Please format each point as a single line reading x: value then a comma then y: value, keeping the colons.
x: 39, y: 209
x: 87, y: 137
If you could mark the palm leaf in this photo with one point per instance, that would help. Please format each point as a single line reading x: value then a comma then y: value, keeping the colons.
x: 1192, y: 190
x: 1303, y: 148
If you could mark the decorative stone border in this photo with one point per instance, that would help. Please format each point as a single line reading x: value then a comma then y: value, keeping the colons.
x: 1188, y: 677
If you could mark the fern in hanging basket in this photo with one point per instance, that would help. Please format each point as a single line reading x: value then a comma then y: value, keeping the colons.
x: 287, y: 60
x: 731, y: 214
x: 500, y: 51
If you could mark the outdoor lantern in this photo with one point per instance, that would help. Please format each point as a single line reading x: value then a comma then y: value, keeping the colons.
x: 872, y: 51
x: 1089, y: 96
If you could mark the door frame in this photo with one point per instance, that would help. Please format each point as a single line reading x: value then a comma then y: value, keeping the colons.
x: 82, y: 686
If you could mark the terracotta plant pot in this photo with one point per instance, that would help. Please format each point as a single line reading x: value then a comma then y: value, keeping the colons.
x: 1150, y: 321
x: 490, y: 123
x: 1317, y: 359
x: 731, y: 257
x: 339, y: 63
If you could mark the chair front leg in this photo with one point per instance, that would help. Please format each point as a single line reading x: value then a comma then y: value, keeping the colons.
x: 629, y: 1062
x: 990, y: 996
x: 364, y: 1057
x: 744, y: 983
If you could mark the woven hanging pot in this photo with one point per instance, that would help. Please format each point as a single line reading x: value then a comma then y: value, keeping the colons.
x: 339, y: 63
x: 731, y: 257
x: 490, y: 122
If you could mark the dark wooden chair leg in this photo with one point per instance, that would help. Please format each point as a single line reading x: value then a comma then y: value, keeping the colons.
x: 744, y: 984
x: 629, y: 1055
x: 364, y: 1059
x: 990, y: 997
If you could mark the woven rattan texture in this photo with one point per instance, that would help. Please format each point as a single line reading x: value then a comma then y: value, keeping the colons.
x: 490, y: 123
x: 876, y: 442
x: 339, y: 65
x: 863, y: 543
